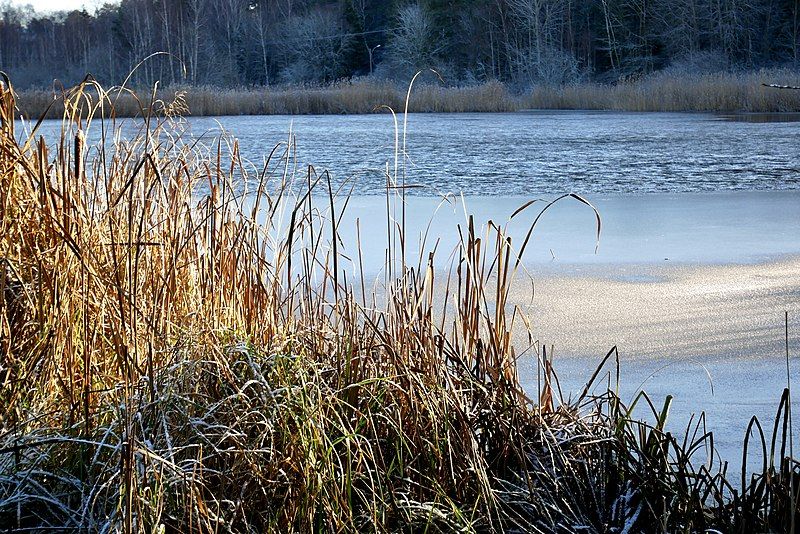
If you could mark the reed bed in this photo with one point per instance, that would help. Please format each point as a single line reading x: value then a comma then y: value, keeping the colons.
x: 720, y: 92
x: 181, y: 355
x: 364, y: 96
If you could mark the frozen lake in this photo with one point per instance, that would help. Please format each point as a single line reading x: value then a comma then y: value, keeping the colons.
x: 529, y: 153
x: 697, y: 261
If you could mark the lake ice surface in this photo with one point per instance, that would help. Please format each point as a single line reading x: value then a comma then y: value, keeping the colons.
x: 525, y: 153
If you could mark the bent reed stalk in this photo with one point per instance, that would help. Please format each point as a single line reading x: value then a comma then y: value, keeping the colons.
x: 176, y: 358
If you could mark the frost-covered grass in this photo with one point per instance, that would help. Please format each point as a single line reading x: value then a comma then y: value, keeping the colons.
x: 192, y: 361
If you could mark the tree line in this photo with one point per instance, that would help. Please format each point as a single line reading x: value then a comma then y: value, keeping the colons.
x: 240, y: 43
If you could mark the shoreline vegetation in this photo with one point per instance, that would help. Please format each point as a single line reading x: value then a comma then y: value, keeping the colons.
x: 721, y: 92
x: 187, y: 362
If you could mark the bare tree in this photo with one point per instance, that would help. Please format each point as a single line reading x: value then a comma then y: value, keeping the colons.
x: 537, y: 51
x: 229, y: 15
x: 413, y: 43
x: 262, y: 32
x: 312, y: 48
x: 196, y: 15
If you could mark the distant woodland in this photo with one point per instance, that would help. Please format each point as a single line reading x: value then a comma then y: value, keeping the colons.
x: 524, y: 43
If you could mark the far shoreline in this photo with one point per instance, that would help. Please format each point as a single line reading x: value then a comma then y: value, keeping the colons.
x: 721, y: 93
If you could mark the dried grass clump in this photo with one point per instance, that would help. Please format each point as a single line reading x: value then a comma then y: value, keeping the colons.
x: 180, y: 351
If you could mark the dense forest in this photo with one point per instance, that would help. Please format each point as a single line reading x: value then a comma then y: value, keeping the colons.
x: 245, y: 43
